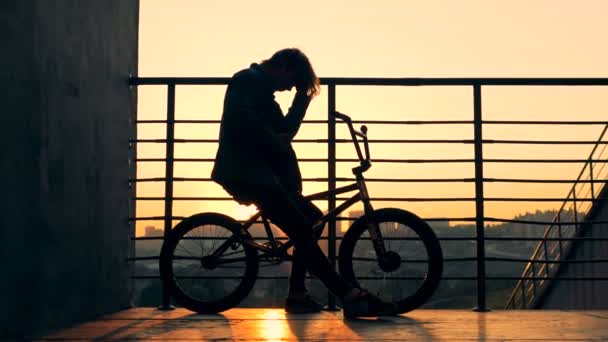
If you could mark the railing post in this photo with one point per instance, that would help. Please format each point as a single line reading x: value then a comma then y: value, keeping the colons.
x: 166, y: 299
x: 559, y: 234
x: 132, y: 183
x: 479, y: 201
x: 331, y: 182
x: 591, y: 179
x: 575, y: 209
x: 524, y: 301
x: 592, y: 227
x: 546, y: 258
x: 533, y: 270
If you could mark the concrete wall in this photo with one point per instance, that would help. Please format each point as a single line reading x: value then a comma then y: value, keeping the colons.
x: 566, y: 294
x: 67, y: 114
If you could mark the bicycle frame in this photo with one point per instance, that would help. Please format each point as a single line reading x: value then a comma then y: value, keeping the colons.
x: 279, y: 252
x: 274, y: 250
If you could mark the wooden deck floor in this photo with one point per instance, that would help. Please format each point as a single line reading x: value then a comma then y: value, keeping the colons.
x: 274, y: 324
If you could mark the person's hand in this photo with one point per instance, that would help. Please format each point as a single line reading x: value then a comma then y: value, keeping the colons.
x: 302, y: 91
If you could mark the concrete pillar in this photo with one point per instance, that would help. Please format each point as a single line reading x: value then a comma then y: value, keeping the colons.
x: 67, y: 115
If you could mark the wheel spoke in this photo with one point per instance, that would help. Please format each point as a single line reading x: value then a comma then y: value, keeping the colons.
x: 201, y: 283
x: 402, y: 275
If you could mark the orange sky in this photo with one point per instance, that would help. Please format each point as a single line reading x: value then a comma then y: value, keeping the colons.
x: 387, y: 39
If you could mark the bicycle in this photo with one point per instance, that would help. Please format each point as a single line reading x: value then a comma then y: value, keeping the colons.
x: 232, y: 257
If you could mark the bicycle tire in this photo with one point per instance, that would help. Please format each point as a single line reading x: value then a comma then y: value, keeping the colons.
x: 184, y: 232
x: 430, y: 243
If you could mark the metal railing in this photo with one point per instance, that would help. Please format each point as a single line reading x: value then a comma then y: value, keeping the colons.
x: 562, y: 235
x: 477, y: 141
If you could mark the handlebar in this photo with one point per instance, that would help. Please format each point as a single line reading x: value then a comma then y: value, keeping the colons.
x: 365, y: 162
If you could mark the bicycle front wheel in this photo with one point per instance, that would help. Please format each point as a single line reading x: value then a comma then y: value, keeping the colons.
x: 205, y: 265
x: 409, y: 273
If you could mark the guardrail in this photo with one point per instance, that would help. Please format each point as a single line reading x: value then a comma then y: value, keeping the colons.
x: 477, y: 141
x: 563, y: 233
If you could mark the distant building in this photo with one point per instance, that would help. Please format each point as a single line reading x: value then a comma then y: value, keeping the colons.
x: 152, y: 231
x: 439, y: 224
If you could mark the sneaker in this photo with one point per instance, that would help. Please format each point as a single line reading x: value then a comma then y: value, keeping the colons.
x: 366, y: 304
x: 302, y: 305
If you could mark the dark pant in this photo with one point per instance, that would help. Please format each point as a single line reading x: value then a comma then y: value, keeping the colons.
x: 295, y: 216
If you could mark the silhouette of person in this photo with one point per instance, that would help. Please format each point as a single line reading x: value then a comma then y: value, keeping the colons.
x: 255, y: 163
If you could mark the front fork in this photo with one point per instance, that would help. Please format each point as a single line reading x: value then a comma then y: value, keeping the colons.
x: 373, y: 228
x: 388, y: 261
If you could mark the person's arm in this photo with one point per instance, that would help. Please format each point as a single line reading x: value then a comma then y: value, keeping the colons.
x: 295, y: 115
x: 241, y: 104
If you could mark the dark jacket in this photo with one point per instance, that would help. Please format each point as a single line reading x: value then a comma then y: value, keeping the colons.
x: 252, y: 155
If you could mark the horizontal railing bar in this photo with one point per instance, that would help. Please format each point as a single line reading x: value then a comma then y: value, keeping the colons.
x: 532, y: 199
x: 193, y: 121
x: 401, y: 180
x: 141, y: 238
x: 550, y: 278
x: 143, y: 258
x: 179, y: 80
x: 412, y: 261
x: 465, y: 81
x: 395, y: 199
x: 411, y: 122
x: 368, y: 122
x: 323, y: 141
x: 539, y: 122
x: 382, y: 199
x: 547, y: 261
x: 401, y: 141
x: 460, y: 259
x: 543, y: 239
x: 344, y: 218
x: 270, y: 277
x: 501, y: 238
x: 339, y: 218
x: 155, y: 218
x: 413, y: 278
x: 406, y: 122
x: 208, y: 160
x: 441, y: 219
x: 408, y: 81
x: 338, y: 179
x: 545, y: 160
x: 146, y: 238
x: 279, y: 238
x: 545, y: 223
x: 544, y: 142
x: 516, y: 180
x: 351, y: 160
x: 417, y: 260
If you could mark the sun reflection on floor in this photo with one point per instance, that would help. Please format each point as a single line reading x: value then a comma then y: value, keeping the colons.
x: 274, y: 326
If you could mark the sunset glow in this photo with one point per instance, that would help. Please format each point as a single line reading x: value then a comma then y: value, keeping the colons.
x: 243, y: 212
x: 384, y: 39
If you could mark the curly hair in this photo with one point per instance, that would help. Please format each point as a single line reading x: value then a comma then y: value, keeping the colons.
x: 296, y: 60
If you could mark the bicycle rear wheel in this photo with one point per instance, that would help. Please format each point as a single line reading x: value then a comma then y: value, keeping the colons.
x: 199, y: 281
x: 410, y: 273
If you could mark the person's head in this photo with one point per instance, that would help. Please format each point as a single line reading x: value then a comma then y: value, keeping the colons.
x: 289, y: 68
